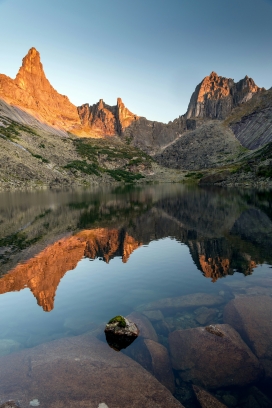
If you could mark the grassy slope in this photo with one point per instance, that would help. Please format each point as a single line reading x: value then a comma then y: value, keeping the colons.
x: 32, y: 157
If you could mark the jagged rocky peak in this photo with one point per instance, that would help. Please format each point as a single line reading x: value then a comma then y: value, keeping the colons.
x: 31, y: 91
x: 32, y: 63
x: 216, y: 96
x: 124, y: 116
x: 31, y: 76
x: 104, y: 119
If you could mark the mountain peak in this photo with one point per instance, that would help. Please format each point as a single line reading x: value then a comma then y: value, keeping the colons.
x: 213, y: 74
x: 31, y: 91
x: 216, y: 96
x: 32, y: 62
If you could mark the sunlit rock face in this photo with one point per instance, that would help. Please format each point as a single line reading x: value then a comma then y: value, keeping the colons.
x: 32, y: 91
x: 43, y: 273
x: 102, y: 119
x: 216, y: 96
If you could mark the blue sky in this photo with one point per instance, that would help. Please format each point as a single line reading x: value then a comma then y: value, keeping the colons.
x: 151, y: 53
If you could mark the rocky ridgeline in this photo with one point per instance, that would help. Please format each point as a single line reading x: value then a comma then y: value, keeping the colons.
x: 216, y: 96
x: 223, y: 120
x: 32, y: 92
x: 102, y: 120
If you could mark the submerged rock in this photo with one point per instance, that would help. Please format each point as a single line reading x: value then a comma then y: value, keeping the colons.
x: 80, y: 371
x: 153, y: 315
x: 169, y: 305
x: 9, y: 404
x: 154, y: 358
x: 120, y: 332
x: 213, y: 329
x: 206, y: 400
x: 251, y: 316
x: 212, y: 361
x: 8, y: 346
x: 204, y: 315
x: 146, y: 328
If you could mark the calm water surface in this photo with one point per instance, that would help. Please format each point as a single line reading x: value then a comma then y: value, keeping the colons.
x: 70, y: 261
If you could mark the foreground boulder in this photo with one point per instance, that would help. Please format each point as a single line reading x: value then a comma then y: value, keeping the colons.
x: 251, y: 316
x: 154, y: 358
x: 146, y: 328
x: 206, y: 400
x: 79, y: 371
x: 172, y: 305
x: 213, y: 357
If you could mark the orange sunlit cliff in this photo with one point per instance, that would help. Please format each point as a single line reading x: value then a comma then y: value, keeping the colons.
x: 43, y: 273
x: 31, y: 91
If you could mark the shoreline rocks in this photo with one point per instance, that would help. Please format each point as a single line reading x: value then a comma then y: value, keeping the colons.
x: 206, y: 400
x: 154, y: 358
x: 211, y: 360
x: 80, y: 371
x: 251, y: 316
x: 146, y: 328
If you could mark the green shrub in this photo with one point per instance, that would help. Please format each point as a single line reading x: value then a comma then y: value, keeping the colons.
x: 265, y: 171
x: 194, y: 175
x: 84, y: 167
x: 38, y: 156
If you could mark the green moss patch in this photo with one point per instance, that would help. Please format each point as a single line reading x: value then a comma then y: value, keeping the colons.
x: 118, y: 319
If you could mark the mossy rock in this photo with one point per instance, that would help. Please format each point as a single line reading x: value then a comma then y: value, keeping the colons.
x: 118, y: 319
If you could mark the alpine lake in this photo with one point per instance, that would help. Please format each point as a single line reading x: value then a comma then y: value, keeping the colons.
x: 190, y: 266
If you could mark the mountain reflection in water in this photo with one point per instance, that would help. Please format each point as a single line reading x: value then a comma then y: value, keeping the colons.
x: 224, y: 232
x: 43, y: 273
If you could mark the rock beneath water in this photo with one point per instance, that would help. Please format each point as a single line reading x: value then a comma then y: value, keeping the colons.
x: 154, y: 358
x: 230, y: 400
x: 8, y: 346
x: 162, y: 328
x: 213, y: 361
x: 9, y: 404
x: 153, y: 315
x: 213, y: 329
x: 204, y: 315
x: 120, y: 332
x: 169, y: 305
x: 261, y: 399
x: 78, y: 326
x: 147, y: 331
x: 206, y: 400
x: 80, y: 371
x: 258, y: 290
x: 251, y: 316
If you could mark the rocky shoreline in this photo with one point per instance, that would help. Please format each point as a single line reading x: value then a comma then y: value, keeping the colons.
x: 224, y: 355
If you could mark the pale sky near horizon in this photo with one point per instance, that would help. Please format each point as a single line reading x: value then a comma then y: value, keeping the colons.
x: 151, y: 53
